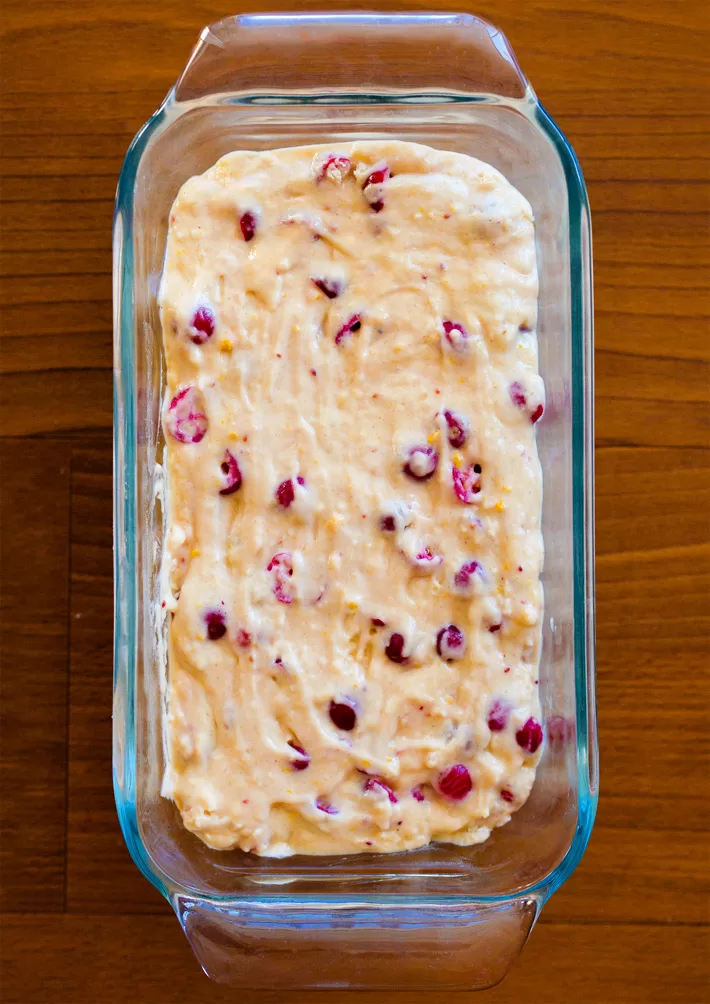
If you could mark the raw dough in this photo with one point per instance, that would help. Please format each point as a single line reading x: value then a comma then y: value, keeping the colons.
x: 353, y: 544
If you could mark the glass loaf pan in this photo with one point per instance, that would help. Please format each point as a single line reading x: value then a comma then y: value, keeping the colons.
x: 444, y: 916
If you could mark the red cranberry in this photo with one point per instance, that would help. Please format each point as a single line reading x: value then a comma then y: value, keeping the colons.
x: 520, y: 399
x: 418, y: 794
x: 377, y: 177
x: 469, y: 577
x: 281, y: 565
x: 243, y: 638
x: 529, y: 736
x: 457, y: 428
x: 331, y: 287
x: 495, y: 627
x: 371, y: 189
x: 394, y: 650
x: 507, y: 795
x: 353, y: 324
x: 186, y: 420
x: 455, y: 782
x: 202, y: 324
x: 247, y: 222
x: 450, y: 642
x: 377, y: 622
x: 421, y: 463
x: 517, y: 395
x: 388, y: 524
x: 232, y: 475
x: 467, y: 483
x: 427, y: 561
x: 216, y: 624
x: 281, y: 560
x: 498, y: 715
x: 342, y: 715
x: 335, y: 166
x: 286, y: 492
x: 456, y: 338
x: 303, y: 760
x: 374, y: 783
x: 325, y: 806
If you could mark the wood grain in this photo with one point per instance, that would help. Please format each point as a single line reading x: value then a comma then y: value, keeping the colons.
x: 114, y: 959
x: 101, y: 876
x: 33, y: 655
x: 628, y: 84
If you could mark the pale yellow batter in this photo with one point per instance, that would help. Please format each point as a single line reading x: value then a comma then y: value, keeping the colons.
x: 354, y: 496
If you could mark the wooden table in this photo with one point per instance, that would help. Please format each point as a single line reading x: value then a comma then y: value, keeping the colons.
x: 624, y: 81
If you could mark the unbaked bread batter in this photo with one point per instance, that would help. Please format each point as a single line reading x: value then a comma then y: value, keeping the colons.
x: 353, y: 547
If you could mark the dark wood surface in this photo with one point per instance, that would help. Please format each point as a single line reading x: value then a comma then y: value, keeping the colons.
x: 627, y: 83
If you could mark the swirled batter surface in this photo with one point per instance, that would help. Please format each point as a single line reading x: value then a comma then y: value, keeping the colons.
x: 353, y: 544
